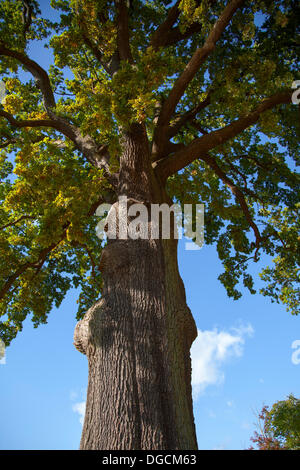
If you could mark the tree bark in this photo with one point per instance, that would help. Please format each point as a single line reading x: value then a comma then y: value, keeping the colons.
x: 137, y: 337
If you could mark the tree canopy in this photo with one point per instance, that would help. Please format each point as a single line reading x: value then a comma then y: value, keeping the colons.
x: 279, y: 427
x: 210, y: 81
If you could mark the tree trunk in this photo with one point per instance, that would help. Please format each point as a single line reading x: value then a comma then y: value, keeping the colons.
x: 137, y: 337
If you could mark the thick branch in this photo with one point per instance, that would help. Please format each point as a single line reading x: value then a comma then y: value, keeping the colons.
x: 189, y: 116
x: 175, y: 35
x: 160, y: 36
x: 171, y: 164
x: 37, y: 71
x: 29, y: 122
x: 89, y: 43
x: 192, y: 68
x: 97, y: 156
x: 123, y: 31
x: 167, y: 35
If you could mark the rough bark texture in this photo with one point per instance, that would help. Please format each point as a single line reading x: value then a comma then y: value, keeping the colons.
x: 137, y: 337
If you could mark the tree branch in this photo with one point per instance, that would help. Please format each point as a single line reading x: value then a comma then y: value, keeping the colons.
x: 97, y: 156
x: 29, y: 122
x: 110, y: 67
x: 123, y: 31
x: 211, y: 162
x: 189, y: 116
x: 23, y: 217
x: 5, y: 144
x: 34, y: 264
x: 160, y: 36
x: 191, y: 69
x: 86, y: 248
x: 166, y: 35
x: 38, y: 73
x: 173, y: 163
x: 38, y: 263
x: 236, y: 171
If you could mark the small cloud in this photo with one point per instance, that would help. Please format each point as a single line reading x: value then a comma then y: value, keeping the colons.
x: 261, y: 381
x: 211, y: 350
x: 230, y: 403
x: 80, y: 409
x: 79, y: 406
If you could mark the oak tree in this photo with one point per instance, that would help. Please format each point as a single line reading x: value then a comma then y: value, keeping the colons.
x: 183, y: 101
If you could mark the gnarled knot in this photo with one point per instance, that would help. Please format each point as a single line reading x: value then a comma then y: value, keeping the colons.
x: 114, y: 256
x: 186, y: 324
x: 82, y: 332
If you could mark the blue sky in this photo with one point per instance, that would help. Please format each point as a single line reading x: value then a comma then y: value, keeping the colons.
x: 242, y: 359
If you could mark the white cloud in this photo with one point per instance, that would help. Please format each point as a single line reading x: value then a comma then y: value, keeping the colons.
x: 2, y: 352
x: 80, y: 409
x: 211, y: 350
x: 79, y: 406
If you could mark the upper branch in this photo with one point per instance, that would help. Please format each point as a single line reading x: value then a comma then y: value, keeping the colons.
x: 160, y: 36
x: 111, y: 66
x: 173, y: 163
x: 37, y: 71
x: 95, y: 154
x: 10, y: 224
x: 168, y: 35
x: 236, y: 191
x: 29, y: 122
x: 175, y: 35
x: 123, y: 31
x: 193, y: 66
x: 188, y: 116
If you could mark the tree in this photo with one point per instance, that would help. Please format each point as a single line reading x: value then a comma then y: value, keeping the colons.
x: 279, y: 427
x: 161, y: 102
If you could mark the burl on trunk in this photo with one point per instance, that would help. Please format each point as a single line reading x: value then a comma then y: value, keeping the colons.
x: 137, y: 337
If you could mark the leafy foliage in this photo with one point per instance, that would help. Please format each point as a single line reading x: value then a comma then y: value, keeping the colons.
x: 279, y: 427
x: 50, y: 189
